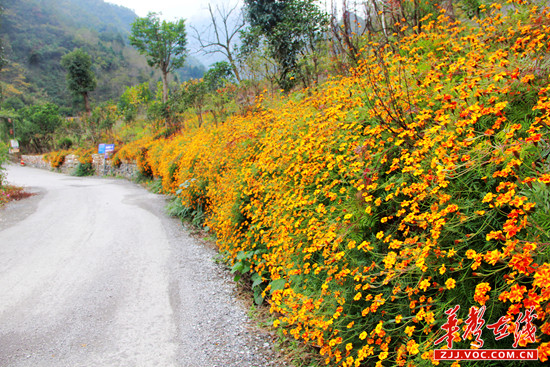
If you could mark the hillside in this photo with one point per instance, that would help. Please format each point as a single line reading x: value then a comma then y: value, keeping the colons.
x: 36, y: 34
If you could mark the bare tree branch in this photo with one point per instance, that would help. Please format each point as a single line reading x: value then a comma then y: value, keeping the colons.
x: 225, y: 30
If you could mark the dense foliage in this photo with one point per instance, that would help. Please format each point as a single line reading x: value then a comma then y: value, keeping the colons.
x: 80, y: 77
x: 163, y: 43
x: 39, y: 122
x: 291, y: 30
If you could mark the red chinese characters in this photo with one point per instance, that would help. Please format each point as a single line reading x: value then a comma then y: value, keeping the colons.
x: 524, y: 330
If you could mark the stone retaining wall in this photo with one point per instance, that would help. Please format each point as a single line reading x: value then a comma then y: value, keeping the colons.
x: 102, y: 167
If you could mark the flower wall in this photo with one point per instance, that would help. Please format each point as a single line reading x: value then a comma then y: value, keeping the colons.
x: 365, y: 208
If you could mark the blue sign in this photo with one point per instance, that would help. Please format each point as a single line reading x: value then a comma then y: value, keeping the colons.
x: 101, y: 149
x: 109, y: 148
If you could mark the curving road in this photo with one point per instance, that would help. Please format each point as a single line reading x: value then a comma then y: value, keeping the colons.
x: 93, y: 273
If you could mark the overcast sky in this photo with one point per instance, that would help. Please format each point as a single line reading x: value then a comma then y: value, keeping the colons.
x: 194, y: 11
x: 191, y: 10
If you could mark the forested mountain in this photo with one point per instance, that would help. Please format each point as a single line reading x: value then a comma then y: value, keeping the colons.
x: 37, y: 33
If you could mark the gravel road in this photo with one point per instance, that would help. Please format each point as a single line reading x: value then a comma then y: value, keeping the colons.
x: 93, y: 273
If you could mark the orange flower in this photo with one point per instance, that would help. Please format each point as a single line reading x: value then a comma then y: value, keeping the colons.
x: 544, y: 351
x: 516, y: 293
x: 542, y: 276
x: 480, y: 293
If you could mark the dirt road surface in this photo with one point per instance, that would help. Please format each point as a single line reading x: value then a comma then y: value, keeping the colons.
x: 93, y: 273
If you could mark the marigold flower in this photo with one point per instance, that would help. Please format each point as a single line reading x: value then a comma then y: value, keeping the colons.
x: 480, y: 293
x: 412, y: 347
x: 409, y: 330
x: 544, y: 351
x: 450, y: 283
x: 492, y: 257
x: 424, y: 284
x: 542, y: 276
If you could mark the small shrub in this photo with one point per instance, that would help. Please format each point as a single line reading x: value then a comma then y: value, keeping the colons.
x: 65, y: 143
x: 56, y: 159
x: 84, y: 169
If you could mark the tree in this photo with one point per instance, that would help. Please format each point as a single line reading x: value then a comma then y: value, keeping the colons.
x: 164, y: 43
x: 225, y: 28
x: 39, y: 124
x: 291, y: 28
x: 80, y: 77
x: 219, y: 74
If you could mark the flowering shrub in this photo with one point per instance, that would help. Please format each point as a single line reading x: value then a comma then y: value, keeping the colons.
x: 56, y: 159
x: 85, y: 156
x: 367, y: 208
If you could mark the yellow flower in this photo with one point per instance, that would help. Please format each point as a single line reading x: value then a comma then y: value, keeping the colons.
x: 412, y: 347
x: 450, y: 283
x: 378, y: 328
x: 424, y: 284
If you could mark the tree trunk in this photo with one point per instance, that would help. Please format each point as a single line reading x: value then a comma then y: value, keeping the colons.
x: 215, y: 117
x: 449, y: 9
x: 233, y: 66
x: 164, y: 86
x: 87, y: 103
x: 167, y: 121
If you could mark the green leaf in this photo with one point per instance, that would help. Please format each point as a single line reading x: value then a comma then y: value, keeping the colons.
x: 256, y: 280
x: 258, y: 298
x: 277, y: 285
x: 237, y: 267
x: 242, y: 255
